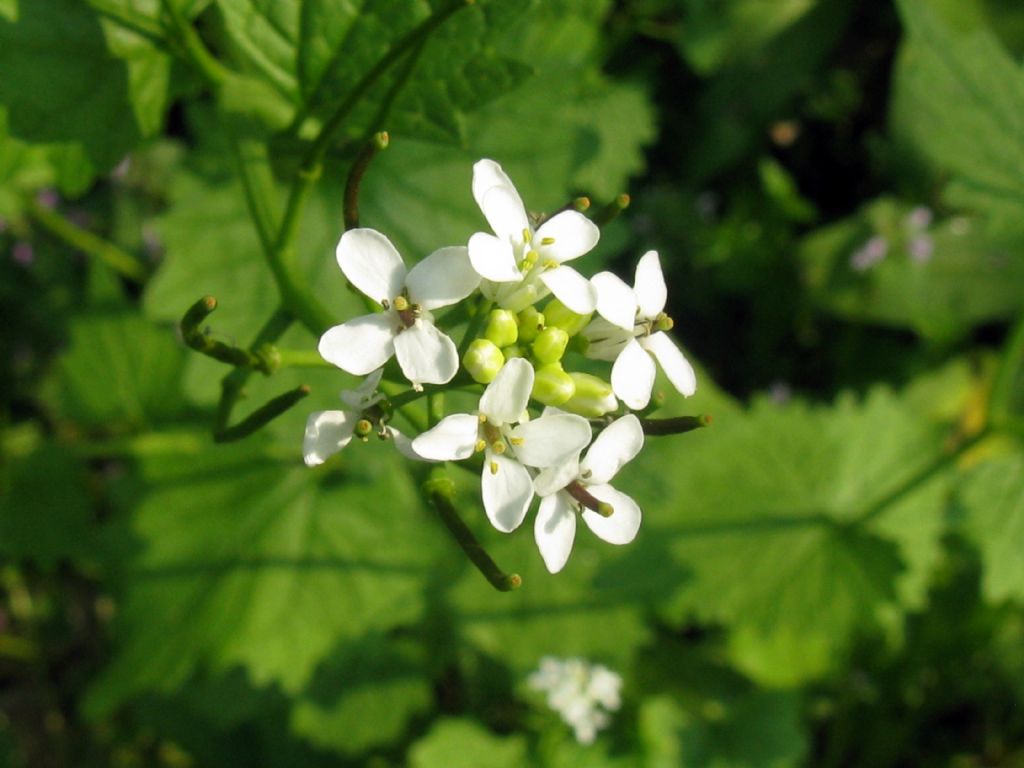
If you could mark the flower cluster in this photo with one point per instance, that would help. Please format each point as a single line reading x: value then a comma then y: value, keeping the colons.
x: 582, y: 693
x: 525, y: 311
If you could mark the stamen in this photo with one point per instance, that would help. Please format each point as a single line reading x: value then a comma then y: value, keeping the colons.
x: 550, y: 264
x: 499, y: 447
x: 584, y: 497
x: 494, y: 467
x: 517, y: 440
x: 663, y: 322
x: 527, y: 235
x: 401, y: 303
x: 547, y: 241
x: 480, y: 445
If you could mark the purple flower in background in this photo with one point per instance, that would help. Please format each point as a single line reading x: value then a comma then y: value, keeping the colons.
x: 869, y: 254
x: 48, y: 198
x: 23, y: 254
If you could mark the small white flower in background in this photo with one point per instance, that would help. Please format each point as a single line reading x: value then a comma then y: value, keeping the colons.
x: 630, y: 331
x: 584, y: 694
x: 510, y: 443
x: 919, y: 219
x: 516, y: 257
x: 921, y: 249
x: 869, y: 254
x: 574, y: 487
x: 406, y: 327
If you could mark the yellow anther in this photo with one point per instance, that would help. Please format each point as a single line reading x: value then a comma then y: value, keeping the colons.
x: 550, y: 264
x: 527, y: 235
x: 483, y: 418
x: 547, y: 241
x: 663, y: 322
x: 480, y: 445
x: 494, y: 467
x: 499, y: 447
x: 401, y: 303
x: 517, y: 440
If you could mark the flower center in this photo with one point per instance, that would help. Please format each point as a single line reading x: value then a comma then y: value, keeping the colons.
x: 660, y: 323
x: 493, y: 436
x: 407, y: 312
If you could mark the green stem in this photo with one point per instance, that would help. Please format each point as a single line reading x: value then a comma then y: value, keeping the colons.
x: 440, y: 491
x: 261, y: 416
x: 483, y: 309
x: 1009, y: 378
x: 258, y: 185
x: 192, y: 46
x: 300, y: 358
x: 674, y: 426
x: 920, y: 478
x: 611, y: 211
x: 122, y: 262
x: 263, y: 360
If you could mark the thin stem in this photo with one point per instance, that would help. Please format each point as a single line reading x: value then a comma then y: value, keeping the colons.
x: 611, y: 211
x: 258, y: 184
x: 440, y: 491
x: 122, y: 262
x: 1009, y: 381
x: 263, y: 360
x: 920, y: 478
x: 262, y: 415
x: 674, y: 426
x: 192, y: 46
x: 355, y: 177
x: 300, y: 358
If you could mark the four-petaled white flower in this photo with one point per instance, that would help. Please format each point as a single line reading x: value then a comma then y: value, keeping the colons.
x: 574, y: 486
x: 516, y: 257
x: 631, y: 330
x: 509, y: 442
x: 327, y: 432
x: 582, y: 693
x: 406, y: 327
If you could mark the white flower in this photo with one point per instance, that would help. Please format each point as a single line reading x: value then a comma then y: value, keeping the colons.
x: 582, y: 486
x: 581, y: 692
x: 545, y: 442
x: 327, y: 432
x: 521, y: 265
x: 631, y: 330
x: 406, y: 327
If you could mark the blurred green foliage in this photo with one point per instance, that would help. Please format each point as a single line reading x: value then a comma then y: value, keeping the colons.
x: 831, y: 575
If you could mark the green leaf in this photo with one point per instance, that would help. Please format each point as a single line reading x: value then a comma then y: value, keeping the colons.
x: 249, y: 560
x: 789, y: 530
x: 315, y: 52
x: 455, y: 743
x: 119, y: 373
x: 961, y: 277
x: 958, y: 99
x: 992, y: 502
x: 365, y: 697
x: 60, y: 83
x: 45, y: 507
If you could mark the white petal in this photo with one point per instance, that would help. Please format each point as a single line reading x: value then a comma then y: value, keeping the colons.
x: 550, y: 440
x: 493, y: 258
x: 624, y: 522
x: 425, y: 355
x: 371, y: 263
x: 506, y: 214
x: 649, y: 285
x: 365, y: 394
x: 505, y: 399
x: 487, y: 174
x: 327, y: 432
x: 453, y: 438
x: 571, y: 288
x: 572, y: 233
x: 633, y: 376
x: 554, y: 530
x: 361, y: 345
x: 618, y: 444
x: 507, y: 492
x: 443, y: 278
x: 675, y: 366
x: 606, y: 340
x: 616, y: 301
x: 555, y: 478
x: 404, y: 445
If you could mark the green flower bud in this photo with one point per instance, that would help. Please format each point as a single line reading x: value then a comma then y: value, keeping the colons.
x: 557, y: 314
x: 513, y: 351
x: 502, y: 328
x: 593, y: 396
x: 483, y: 360
x: 549, y: 346
x: 552, y: 385
x: 531, y: 322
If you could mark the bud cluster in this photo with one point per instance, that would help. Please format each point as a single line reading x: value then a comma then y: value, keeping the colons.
x: 532, y: 320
